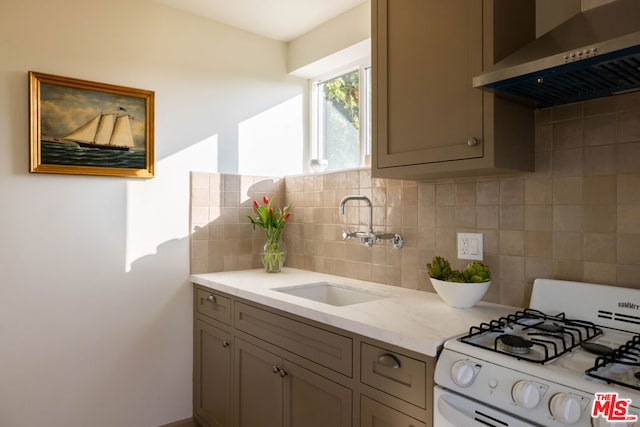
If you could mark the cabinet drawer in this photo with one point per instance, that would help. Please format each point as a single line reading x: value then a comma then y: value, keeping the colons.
x: 214, y: 305
x: 395, y: 374
x: 326, y: 348
x: 375, y: 414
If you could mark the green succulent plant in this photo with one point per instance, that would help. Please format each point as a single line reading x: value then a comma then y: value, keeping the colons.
x: 456, y: 276
x: 475, y: 272
x: 439, y: 268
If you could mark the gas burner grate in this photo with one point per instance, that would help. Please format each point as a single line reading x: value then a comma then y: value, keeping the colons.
x: 549, y: 336
x: 622, y: 366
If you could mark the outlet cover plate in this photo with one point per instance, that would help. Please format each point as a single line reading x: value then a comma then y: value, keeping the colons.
x: 470, y: 246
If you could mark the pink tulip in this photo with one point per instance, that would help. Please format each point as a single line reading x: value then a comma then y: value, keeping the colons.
x: 270, y: 211
x: 286, y: 217
x: 255, y: 204
x: 265, y: 199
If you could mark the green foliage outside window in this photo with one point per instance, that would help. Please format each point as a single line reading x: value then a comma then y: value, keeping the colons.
x: 344, y: 93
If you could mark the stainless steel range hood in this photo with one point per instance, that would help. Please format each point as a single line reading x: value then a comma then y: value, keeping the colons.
x: 596, y: 53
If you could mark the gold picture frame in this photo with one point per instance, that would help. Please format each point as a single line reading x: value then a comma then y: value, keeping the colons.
x: 88, y: 128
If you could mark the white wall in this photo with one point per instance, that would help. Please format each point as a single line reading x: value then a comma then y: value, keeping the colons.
x: 95, y: 304
x: 346, y: 35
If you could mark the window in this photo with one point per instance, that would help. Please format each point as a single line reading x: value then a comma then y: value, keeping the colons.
x: 341, y: 120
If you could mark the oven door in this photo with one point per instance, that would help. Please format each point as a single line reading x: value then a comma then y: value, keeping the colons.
x: 453, y: 410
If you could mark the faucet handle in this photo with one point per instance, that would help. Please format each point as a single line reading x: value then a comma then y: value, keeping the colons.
x: 398, y: 241
x: 350, y: 234
x: 369, y: 240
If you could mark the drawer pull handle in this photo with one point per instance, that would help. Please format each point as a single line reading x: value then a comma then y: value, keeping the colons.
x: 212, y: 299
x: 389, y: 360
x: 472, y: 142
x: 225, y: 343
x: 283, y: 373
x: 275, y: 369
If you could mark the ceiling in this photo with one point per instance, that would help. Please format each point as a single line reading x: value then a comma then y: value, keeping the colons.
x: 282, y: 20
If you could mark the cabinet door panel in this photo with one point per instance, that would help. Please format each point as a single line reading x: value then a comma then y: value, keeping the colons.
x: 213, y: 375
x: 311, y: 400
x: 375, y: 414
x: 258, y: 390
x: 426, y: 53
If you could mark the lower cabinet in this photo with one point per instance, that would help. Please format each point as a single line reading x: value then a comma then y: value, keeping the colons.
x: 212, y: 372
x: 275, y: 392
x: 375, y: 414
x: 258, y: 367
x: 259, y: 386
x: 310, y: 400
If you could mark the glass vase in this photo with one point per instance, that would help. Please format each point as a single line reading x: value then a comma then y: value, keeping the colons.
x: 273, y: 256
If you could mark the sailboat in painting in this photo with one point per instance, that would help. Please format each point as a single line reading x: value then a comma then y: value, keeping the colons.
x: 104, y: 131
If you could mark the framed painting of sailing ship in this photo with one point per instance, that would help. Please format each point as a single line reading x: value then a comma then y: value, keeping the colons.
x: 88, y: 128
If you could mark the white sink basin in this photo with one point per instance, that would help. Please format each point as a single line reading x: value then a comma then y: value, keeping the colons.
x: 330, y: 293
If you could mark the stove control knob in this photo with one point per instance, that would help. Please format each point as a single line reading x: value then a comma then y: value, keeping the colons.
x: 566, y: 408
x: 463, y: 372
x: 526, y: 394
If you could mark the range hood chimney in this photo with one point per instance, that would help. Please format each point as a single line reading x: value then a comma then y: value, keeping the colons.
x: 593, y: 54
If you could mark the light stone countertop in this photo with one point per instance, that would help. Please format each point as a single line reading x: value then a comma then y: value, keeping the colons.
x: 415, y: 320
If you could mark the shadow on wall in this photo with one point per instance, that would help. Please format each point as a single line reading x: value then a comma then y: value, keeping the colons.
x: 117, y: 337
x: 158, y: 332
x: 222, y: 238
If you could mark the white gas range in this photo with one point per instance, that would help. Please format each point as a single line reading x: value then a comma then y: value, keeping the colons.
x: 545, y: 365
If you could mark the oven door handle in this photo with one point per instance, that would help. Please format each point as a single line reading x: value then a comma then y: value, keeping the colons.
x: 457, y: 417
x: 451, y: 413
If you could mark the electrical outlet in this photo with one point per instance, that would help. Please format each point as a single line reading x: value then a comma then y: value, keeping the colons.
x: 470, y: 246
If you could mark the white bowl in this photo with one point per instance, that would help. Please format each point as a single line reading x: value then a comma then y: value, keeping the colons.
x: 318, y: 165
x: 460, y: 295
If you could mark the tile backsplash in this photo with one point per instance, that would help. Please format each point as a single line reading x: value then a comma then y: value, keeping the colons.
x: 576, y: 218
x: 221, y: 235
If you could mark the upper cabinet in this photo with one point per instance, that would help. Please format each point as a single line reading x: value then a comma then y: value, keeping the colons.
x: 428, y: 120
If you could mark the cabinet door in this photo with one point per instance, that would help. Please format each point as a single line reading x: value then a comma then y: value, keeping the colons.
x: 311, y: 400
x: 375, y: 414
x: 258, y: 386
x: 425, y: 53
x: 212, y: 375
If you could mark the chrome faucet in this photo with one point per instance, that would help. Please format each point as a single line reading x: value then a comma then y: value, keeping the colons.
x: 369, y: 237
x: 364, y: 199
